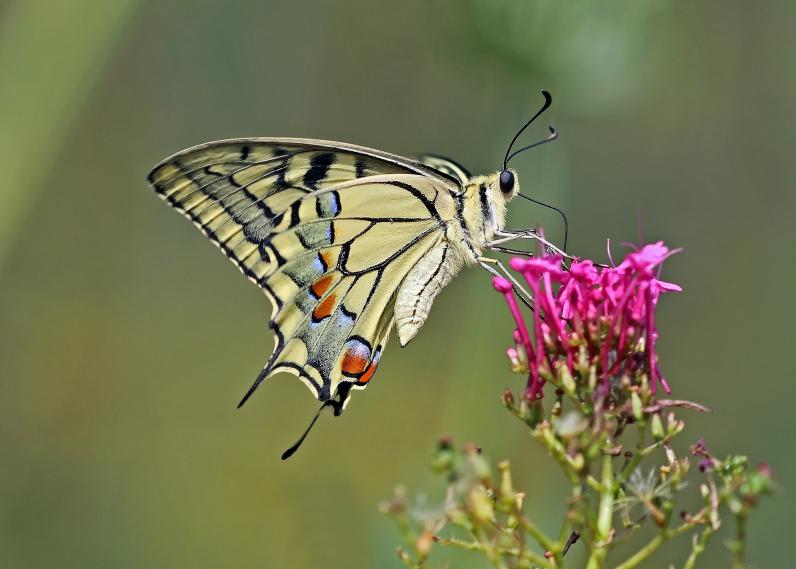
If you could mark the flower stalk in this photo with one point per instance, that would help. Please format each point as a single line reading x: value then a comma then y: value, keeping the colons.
x: 591, y: 400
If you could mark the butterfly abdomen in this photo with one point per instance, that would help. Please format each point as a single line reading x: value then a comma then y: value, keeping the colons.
x: 422, y: 284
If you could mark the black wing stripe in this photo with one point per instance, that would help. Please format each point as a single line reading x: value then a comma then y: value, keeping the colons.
x: 419, y: 195
x: 242, y: 191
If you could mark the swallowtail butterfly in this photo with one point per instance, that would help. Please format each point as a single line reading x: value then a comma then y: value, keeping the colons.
x: 348, y: 243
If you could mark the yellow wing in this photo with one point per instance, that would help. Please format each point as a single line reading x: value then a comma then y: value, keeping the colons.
x: 327, y: 230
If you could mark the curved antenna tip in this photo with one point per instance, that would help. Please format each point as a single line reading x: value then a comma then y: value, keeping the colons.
x: 548, y: 99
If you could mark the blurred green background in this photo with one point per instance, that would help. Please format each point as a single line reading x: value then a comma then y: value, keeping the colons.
x: 126, y: 339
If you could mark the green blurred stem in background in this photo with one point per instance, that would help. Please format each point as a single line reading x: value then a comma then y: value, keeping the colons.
x: 51, y: 55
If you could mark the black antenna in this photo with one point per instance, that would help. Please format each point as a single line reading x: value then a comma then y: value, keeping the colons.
x: 553, y: 135
x: 547, y: 102
x: 561, y: 213
x: 338, y: 408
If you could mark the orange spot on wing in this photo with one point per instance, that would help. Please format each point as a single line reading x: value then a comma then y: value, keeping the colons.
x: 320, y: 286
x: 353, y: 364
x: 325, y: 308
x: 324, y: 255
x: 368, y: 372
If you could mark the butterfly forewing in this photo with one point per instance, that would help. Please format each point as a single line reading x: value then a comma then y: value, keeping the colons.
x: 328, y: 230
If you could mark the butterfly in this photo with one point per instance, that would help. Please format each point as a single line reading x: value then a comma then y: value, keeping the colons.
x: 347, y: 242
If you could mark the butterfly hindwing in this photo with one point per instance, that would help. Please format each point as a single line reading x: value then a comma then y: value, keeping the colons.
x: 447, y: 167
x: 327, y: 230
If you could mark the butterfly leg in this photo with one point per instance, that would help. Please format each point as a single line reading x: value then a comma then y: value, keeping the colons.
x: 510, y: 251
x: 507, y: 235
x: 489, y: 264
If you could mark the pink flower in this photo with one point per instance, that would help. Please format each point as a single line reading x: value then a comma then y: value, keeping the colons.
x: 605, y: 314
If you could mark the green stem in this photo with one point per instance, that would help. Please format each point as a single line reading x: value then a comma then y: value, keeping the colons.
x: 653, y: 545
x: 545, y: 436
x: 569, y: 521
x: 740, y: 543
x: 606, y: 510
x: 537, y: 534
x: 605, y: 514
x: 643, y: 553
x: 641, y: 453
x: 698, y: 547
x: 488, y: 549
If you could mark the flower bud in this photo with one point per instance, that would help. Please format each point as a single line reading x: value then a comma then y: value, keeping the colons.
x: 502, y: 285
x: 443, y: 458
x: 442, y: 461
x: 506, y: 487
x: 577, y: 462
x: 479, y: 467
x: 638, y: 409
x: 533, y: 413
x: 459, y: 518
x: 404, y: 556
x: 657, y: 427
x: 570, y: 425
x: 567, y: 381
x: 507, y: 398
x: 481, y: 505
x: 592, y: 377
x: 424, y: 542
x: 759, y: 481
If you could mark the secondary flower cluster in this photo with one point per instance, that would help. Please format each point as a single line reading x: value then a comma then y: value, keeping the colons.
x: 589, y: 321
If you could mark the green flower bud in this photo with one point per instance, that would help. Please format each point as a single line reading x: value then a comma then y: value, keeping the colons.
x: 657, y: 428
x: 481, y: 505
x: 638, y: 406
x: 567, y: 381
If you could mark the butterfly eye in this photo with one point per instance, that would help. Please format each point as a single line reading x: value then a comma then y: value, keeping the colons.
x: 506, y: 181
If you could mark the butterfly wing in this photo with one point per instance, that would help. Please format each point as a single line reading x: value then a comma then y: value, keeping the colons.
x: 447, y: 167
x: 327, y: 230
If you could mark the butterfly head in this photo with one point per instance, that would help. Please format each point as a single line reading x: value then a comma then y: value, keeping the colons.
x: 499, y: 187
x: 487, y: 197
x: 507, y: 182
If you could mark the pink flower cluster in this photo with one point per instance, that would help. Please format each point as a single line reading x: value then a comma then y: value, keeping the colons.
x: 588, y: 320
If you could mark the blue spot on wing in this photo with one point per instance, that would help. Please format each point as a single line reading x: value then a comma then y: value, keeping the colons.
x: 329, y: 205
x: 358, y: 348
x: 318, y: 265
x: 345, y: 319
